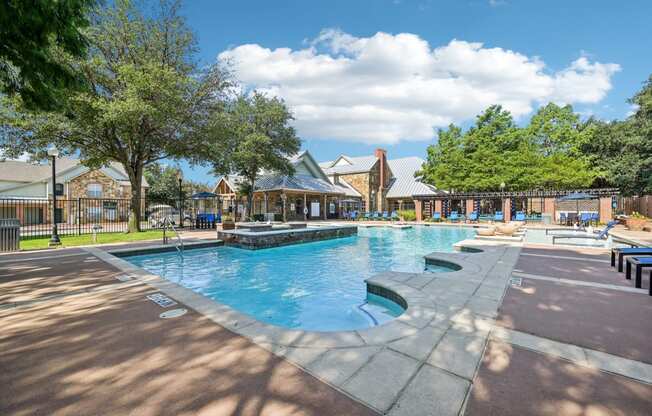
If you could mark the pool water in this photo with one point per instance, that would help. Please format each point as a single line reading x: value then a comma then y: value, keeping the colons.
x: 314, y: 286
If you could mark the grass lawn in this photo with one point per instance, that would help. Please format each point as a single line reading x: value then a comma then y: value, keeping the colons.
x: 87, y: 239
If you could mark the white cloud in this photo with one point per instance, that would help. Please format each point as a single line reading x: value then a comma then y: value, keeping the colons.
x: 386, y: 88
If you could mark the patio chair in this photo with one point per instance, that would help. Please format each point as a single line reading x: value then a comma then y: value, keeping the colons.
x: 585, y: 218
x: 473, y: 216
x: 374, y: 216
x: 385, y: 216
x: 367, y: 216
x: 353, y: 215
x: 394, y: 216
x: 602, y: 235
x: 622, y: 252
x: 595, y: 218
x: 520, y: 216
x: 563, y: 219
x: 436, y: 216
x: 454, y: 217
x: 498, y: 216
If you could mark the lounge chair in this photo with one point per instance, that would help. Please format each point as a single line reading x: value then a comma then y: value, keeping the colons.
x: 436, y: 216
x: 498, y: 216
x: 622, y: 252
x: 640, y: 263
x: 374, y: 216
x: 520, y: 216
x: 602, y: 235
x: 585, y: 218
x: 367, y: 216
x: 595, y: 218
x: 473, y: 216
x: 394, y: 216
x: 385, y: 216
x: 454, y: 217
x: 487, y: 232
x: 563, y: 219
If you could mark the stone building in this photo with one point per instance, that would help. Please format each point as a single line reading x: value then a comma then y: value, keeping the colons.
x: 82, y: 193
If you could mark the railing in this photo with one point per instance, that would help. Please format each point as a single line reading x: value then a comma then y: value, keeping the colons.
x: 104, y: 215
x: 169, y: 223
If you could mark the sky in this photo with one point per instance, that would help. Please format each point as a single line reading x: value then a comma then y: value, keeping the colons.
x: 363, y: 74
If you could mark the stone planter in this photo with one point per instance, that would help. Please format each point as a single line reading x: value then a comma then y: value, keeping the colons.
x: 228, y: 225
x: 636, y: 224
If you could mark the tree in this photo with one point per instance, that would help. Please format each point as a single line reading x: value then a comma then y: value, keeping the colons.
x: 147, y: 99
x: 545, y: 153
x: 261, y: 139
x: 163, y: 184
x: 31, y: 35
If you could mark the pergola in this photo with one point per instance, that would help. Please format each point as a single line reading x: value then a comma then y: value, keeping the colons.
x: 471, y: 200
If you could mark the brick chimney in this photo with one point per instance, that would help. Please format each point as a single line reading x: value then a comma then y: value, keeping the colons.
x: 381, y: 154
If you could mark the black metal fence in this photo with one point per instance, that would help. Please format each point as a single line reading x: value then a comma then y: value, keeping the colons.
x: 105, y: 215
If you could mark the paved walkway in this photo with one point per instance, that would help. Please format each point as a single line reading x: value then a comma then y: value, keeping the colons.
x: 572, y: 337
x: 88, y: 343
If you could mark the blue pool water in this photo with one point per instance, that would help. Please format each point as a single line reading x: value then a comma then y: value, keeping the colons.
x: 314, y: 286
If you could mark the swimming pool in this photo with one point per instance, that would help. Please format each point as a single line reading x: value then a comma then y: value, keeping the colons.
x: 313, y: 286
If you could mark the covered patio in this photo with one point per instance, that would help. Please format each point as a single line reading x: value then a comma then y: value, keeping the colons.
x: 536, y: 205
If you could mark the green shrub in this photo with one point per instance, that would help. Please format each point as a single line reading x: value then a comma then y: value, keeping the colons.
x: 408, y: 215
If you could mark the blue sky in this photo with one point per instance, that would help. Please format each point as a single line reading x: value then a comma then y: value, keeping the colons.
x: 594, y: 54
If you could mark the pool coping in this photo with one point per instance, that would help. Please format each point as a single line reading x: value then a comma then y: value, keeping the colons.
x: 454, y: 317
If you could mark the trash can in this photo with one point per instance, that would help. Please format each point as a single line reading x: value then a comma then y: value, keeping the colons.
x: 546, y: 218
x: 9, y: 235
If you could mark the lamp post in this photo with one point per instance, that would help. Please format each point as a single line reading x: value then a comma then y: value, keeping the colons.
x: 53, y: 152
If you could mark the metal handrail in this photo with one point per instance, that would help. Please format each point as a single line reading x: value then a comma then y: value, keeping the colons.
x: 167, y: 221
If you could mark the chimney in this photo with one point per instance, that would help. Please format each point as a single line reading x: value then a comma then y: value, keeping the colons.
x: 381, y: 154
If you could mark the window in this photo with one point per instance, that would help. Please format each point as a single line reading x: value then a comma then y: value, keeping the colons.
x: 94, y: 190
x: 58, y: 189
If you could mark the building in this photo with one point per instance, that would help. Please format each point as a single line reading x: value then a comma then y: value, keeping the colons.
x: 329, y: 189
x: 26, y: 187
x: 308, y: 194
x: 384, y: 185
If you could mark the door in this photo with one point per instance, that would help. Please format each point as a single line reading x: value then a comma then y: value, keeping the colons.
x: 314, y: 209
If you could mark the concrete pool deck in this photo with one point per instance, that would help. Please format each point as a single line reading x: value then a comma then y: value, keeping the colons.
x: 459, y: 349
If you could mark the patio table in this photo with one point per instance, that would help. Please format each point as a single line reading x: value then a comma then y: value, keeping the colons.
x: 622, y: 252
x: 640, y: 263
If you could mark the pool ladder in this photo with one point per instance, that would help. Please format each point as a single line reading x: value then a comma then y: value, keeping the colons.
x: 167, y: 222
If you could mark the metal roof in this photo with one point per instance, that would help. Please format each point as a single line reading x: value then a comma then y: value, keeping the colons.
x: 297, y: 183
x: 405, y: 184
x: 355, y: 165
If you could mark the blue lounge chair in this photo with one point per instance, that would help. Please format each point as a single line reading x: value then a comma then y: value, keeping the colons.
x: 585, y: 218
x: 353, y: 215
x: 623, y: 252
x: 374, y: 216
x: 602, y: 235
x: 385, y: 216
x: 436, y: 216
x: 498, y: 216
x: 394, y: 216
x: 367, y: 216
x: 454, y: 217
x: 473, y: 216
x: 562, y: 218
x: 520, y: 216
x: 595, y: 217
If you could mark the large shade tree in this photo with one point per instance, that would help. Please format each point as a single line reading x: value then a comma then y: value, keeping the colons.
x: 260, y: 138
x: 622, y: 150
x: 543, y: 154
x: 148, y: 99
x: 32, y: 35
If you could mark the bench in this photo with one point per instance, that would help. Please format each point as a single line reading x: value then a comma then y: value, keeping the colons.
x: 640, y: 263
x: 620, y: 253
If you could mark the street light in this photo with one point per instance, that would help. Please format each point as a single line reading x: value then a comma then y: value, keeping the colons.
x: 180, y: 199
x: 53, y: 152
x: 502, y: 198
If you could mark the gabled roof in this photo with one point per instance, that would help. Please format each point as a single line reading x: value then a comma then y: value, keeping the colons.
x: 296, y: 183
x: 66, y: 169
x: 405, y: 184
x: 352, y: 165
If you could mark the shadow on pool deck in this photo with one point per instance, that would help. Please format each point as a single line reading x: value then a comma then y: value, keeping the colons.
x: 515, y: 382
x: 109, y: 353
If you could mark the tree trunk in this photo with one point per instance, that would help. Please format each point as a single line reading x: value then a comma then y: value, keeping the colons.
x: 136, y: 180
